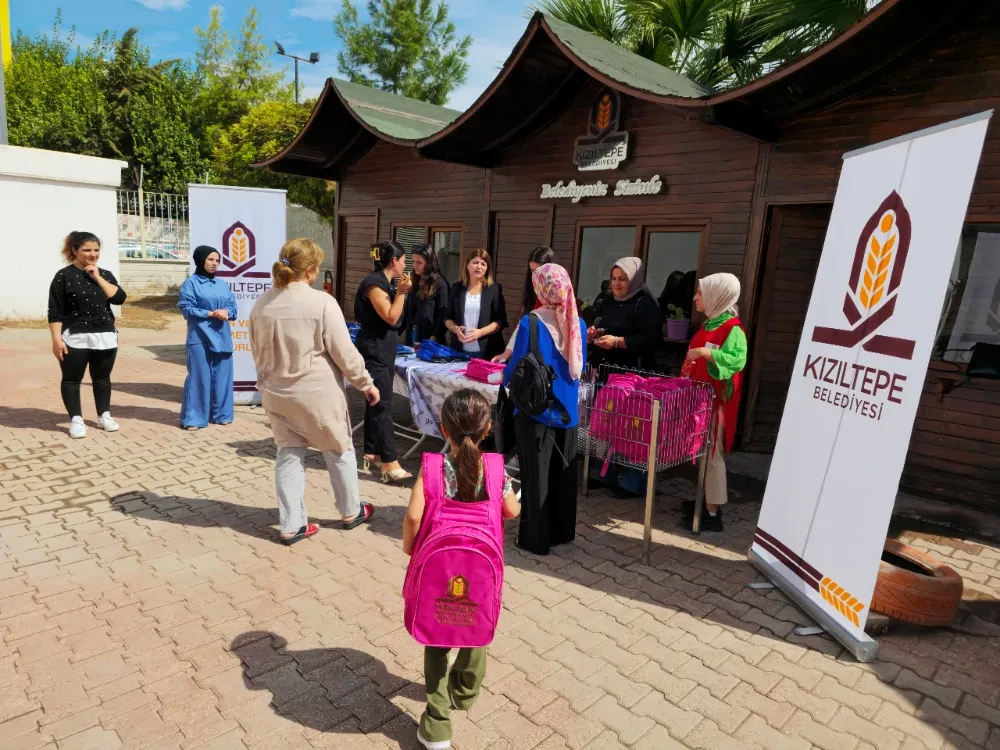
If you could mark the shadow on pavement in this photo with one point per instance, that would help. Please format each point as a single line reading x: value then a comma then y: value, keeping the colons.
x: 43, y: 419
x: 175, y: 354
x: 330, y: 690
x: 160, y: 391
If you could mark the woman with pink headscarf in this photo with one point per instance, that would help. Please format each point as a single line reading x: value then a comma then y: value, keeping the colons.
x: 546, y: 444
x: 717, y: 355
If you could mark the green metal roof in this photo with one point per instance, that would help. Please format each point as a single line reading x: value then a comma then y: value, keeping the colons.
x: 394, y: 115
x: 623, y: 66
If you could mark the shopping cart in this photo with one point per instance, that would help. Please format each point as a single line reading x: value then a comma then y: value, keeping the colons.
x: 640, y: 420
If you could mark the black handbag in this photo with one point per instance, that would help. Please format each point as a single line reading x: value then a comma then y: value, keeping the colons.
x: 504, y: 437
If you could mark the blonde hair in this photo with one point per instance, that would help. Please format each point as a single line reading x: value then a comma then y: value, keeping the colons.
x: 478, y: 253
x: 294, y: 261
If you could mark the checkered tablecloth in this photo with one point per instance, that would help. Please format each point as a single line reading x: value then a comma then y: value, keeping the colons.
x: 428, y: 385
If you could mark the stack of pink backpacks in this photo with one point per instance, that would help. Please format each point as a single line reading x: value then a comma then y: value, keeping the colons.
x: 622, y: 417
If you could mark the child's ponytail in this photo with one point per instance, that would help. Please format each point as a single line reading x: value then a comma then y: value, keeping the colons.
x: 466, y: 417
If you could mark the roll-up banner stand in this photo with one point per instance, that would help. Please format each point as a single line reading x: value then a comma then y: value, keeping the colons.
x: 881, y: 283
x: 247, y: 227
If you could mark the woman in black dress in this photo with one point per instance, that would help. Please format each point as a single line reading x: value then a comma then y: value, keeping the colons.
x: 626, y: 334
x: 378, y: 310
x: 427, y: 305
x: 478, y: 310
x: 630, y: 325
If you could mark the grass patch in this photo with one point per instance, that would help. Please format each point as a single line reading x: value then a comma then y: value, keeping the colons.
x: 151, y: 313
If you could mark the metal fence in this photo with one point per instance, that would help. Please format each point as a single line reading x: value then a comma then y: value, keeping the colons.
x: 153, y: 226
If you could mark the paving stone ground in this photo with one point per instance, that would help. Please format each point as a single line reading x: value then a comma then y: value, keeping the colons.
x: 144, y: 603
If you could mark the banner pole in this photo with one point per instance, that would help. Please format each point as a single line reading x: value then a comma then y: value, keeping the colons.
x: 864, y: 648
x: 647, y: 533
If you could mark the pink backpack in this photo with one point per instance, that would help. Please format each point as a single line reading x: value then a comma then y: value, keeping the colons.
x: 622, y: 412
x: 454, y: 581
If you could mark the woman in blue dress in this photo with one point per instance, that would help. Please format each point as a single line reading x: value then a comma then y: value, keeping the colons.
x: 208, y: 305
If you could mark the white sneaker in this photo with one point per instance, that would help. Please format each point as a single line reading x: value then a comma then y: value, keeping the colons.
x: 77, y: 429
x: 107, y: 423
x: 442, y: 745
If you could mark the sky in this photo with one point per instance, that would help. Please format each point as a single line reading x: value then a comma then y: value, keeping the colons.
x: 301, y: 26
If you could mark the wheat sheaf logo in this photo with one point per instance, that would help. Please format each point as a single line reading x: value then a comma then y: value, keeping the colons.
x: 841, y: 600
x: 846, y: 605
x: 239, y: 252
x: 877, y: 272
x: 605, y: 145
x: 603, y: 115
x: 239, y: 246
x: 458, y: 588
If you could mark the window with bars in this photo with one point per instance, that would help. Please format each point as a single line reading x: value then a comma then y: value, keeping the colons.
x: 447, y: 243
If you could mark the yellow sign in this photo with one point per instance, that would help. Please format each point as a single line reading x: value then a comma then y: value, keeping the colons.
x: 5, y: 32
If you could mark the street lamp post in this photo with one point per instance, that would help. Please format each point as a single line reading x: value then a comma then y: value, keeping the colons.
x: 312, y: 60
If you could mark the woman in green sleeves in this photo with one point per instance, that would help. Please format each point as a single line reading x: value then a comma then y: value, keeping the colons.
x: 717, y: 355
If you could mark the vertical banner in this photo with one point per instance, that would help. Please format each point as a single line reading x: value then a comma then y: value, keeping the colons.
x: 862, y: 359
x: 247, y: 227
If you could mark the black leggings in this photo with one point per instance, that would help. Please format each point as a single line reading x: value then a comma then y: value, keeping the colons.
x: 74, y: 364
x: 380, y: 436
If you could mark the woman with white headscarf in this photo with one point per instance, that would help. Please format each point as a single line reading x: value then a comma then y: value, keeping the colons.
x: 630, y: 326
x: 717, y: 355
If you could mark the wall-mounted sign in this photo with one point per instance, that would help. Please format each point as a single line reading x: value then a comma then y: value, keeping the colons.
x: 605, y: 145
x: 578, y: 191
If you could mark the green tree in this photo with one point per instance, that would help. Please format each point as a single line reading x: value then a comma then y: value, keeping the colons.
x: 54, y: 97
x: 718, y: 43
x: 231, y: 78
x: 108, y: 100
x: 408, y: 47
x: 260, y: 134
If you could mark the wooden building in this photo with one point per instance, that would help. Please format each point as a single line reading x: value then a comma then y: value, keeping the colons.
x: 598, y: 153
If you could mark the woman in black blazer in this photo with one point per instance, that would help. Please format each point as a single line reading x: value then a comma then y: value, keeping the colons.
x: 478, y: 310
x: 427, y: 306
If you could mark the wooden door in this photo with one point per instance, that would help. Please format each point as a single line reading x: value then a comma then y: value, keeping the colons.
x: 795, y: 243
x: 515, y: 234
x: 357, y: 233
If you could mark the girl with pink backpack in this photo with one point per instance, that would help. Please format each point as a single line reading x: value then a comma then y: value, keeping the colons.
x: 453, y: 532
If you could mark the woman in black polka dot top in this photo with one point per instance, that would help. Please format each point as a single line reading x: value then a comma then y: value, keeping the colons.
x: 83, y: 328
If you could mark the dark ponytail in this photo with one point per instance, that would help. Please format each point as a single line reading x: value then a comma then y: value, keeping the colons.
x: 540, y: 255
x: 385, y: 252
x: 466, y: 417
x: 74, y: 241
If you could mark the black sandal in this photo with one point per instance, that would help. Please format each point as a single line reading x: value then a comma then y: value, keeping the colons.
x: 303, y: 533
x: 364, y: 515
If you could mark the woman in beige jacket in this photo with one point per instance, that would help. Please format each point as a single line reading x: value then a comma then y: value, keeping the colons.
x: 303, y: 353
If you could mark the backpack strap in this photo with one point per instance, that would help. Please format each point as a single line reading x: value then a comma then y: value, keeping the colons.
x: 533, y: 333
x: 493, y: 480
x: 433, y: 465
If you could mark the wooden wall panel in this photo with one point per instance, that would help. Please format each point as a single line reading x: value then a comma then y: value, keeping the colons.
x: 796, y: 243
x: 356, y: 232
x: 515, y: 235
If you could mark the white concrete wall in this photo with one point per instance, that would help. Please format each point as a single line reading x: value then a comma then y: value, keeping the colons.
x: 44, y: 195
x: 150, y: 278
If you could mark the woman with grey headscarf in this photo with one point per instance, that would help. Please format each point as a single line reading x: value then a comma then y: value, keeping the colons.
x: 630, y: 325
x: 717, y: 355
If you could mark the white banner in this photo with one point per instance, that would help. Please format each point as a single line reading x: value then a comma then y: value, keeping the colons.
x: 247, y: 227
x: 861, y: 365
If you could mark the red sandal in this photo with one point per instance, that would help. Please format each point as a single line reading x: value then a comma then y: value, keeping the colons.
x: 364, y: 515
x: 303, y: 533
